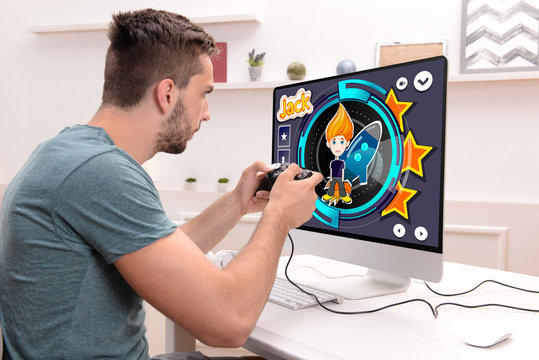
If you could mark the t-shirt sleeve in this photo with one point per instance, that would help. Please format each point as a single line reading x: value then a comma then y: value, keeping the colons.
x: 111, y: 205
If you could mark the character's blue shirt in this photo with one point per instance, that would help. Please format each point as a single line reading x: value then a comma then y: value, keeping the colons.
x: 337, y: 168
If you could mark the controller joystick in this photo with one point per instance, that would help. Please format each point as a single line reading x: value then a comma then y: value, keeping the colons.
x: 276, y: 169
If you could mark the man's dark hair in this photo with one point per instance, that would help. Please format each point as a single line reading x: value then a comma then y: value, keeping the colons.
x: 147, y: 46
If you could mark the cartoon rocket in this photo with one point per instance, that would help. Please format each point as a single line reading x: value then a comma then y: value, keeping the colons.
x: 361, y: 151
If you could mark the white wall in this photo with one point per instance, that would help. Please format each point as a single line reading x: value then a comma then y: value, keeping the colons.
x: 54, y: 80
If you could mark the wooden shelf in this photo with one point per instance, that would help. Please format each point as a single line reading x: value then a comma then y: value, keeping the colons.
x: 103, y: 26
x: 250, y: 85
x: 460, y: 78
x: 495, y: 76
x: 49, y: 29
x: 225, y: 19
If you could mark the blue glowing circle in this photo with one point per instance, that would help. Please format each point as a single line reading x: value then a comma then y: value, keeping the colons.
x: 364, y: 146
x: 357, y: 156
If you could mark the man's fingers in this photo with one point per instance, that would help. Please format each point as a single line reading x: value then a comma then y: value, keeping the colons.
x: 263, y: 195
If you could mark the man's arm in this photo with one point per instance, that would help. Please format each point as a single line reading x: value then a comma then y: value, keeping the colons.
x: 212, y: 225
x: 221, y: 307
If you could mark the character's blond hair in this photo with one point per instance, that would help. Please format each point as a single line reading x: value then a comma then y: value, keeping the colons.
x: 341, y: 124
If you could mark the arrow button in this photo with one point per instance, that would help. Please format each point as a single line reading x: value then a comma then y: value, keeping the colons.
x: 399, y: 230
x: 421, y: 234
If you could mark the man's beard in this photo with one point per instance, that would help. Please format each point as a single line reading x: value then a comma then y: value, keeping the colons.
x: 175, y: 131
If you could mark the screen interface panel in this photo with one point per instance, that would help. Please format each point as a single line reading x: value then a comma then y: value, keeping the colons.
x: 377, y: 137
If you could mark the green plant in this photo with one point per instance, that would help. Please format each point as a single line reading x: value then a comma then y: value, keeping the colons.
x: 223, y: 180
x: 191, y: 180
x: 256, y: 59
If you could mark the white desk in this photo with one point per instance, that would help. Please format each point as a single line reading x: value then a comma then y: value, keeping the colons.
x: 404, y: 332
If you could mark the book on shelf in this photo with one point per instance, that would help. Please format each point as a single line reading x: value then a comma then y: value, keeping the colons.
x: 219, y: 64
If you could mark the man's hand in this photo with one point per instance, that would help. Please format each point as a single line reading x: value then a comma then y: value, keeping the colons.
x: 294, y: 200
x: 244, y: 192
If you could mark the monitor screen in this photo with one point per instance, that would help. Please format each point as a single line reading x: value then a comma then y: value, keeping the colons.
x: 377, y: 136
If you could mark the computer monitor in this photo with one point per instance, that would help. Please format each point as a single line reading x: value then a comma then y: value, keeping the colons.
x: 377, y: 136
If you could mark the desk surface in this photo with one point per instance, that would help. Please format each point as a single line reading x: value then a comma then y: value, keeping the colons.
x: 408, y: 331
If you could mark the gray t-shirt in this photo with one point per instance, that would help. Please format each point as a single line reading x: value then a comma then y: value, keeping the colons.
x: 76, y: 206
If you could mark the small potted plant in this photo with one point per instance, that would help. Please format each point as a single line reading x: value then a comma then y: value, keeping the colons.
x: 255, y: 65
x: 190, y: 184
x: 222, y: 184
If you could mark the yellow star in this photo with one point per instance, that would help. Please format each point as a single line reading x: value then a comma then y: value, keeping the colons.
x: 399, y: 202
x: 414, y: 154
x: 397, y: 107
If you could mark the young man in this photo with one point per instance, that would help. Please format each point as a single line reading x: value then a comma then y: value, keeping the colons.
x: 84, y: 237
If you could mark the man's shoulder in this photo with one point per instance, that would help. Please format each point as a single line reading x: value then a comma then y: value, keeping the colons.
x: 81, y: 153
x: 85, y: 145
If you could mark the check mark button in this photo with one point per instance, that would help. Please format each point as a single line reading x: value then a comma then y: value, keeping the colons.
x: 423, y: 81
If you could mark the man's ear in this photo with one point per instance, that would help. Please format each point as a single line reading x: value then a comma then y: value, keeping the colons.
x: 164, y: 93
x: 327, y: 144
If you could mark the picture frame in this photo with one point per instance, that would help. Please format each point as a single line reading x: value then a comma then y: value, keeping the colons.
x: 499, y: 37
x: 389, y: 53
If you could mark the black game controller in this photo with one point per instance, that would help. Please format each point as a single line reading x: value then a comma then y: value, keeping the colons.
x: 276, y: 170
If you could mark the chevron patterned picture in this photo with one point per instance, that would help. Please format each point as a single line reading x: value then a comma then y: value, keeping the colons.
x: 500, y: 35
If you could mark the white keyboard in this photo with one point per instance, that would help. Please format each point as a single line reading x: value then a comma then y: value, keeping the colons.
x: 286, y: 294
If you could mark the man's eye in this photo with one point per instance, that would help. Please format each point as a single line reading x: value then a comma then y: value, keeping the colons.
x: 342, y: 142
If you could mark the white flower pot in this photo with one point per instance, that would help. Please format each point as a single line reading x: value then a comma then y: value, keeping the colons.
x: 223, y: 187
x: 255, y: 73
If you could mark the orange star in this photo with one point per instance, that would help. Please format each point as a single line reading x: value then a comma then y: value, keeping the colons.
x: 397, y: 107
x: 414, y: 154
x: 399, y: 202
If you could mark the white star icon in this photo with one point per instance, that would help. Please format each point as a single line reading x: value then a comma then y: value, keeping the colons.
x: 283, y: 136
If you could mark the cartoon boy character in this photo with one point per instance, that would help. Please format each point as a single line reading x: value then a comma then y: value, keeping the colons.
x: 339, y: 132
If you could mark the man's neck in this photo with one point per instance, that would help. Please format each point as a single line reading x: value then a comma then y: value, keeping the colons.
x: 131, y: 130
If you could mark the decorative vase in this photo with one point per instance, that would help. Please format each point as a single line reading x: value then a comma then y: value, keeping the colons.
x: 190, y: 186
x: 255, y: 73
